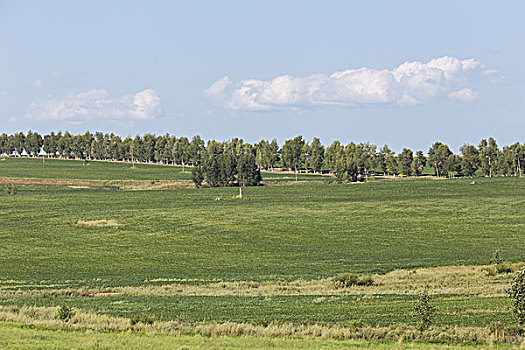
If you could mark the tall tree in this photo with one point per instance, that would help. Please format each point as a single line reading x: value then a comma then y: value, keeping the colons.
x: 292, y: 153
x: 405, y: 158
x: 316, y: 155
x: 438, y: 155
x: 419, y: 163
x: 332, y: 153
x: 488, y: 153
x: 470, y: 160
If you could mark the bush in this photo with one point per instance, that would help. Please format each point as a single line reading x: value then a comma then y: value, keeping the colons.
x: 516, y: 293
x: 504, y: 267
x: 65, y: 313
x: 423, y: 311
x: 142, y: 318
x: 10, y: 189
x: 348, y: 280
x: 496, y: 258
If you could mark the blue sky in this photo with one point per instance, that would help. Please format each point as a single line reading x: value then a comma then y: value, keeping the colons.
x: 405, y: 73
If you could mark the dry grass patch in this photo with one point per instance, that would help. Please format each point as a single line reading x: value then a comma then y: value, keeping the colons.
x: 98, y: 223
x: 441, y: 280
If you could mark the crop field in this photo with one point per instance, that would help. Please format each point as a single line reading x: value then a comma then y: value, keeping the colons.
x: 61, y: 169
x: 203, y: 255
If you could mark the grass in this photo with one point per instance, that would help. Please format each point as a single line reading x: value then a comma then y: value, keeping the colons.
x: 61, y: 169
x: 15, y: 336
x: 318, y: 230
x: 181, y: 254
x: 375, y: 310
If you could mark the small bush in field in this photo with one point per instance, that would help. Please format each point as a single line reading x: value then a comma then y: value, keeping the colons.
x: 516, y: 293
x: 10, y: 189
x: 348, y: 280
x: 496, y: 257
x: 143, y: 318
x: 65, y: 313
x: 424, y: 311
x: 504, y: 267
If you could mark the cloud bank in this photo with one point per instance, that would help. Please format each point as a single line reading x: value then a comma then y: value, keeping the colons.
x: 97, y: 104
x: 411, y: 83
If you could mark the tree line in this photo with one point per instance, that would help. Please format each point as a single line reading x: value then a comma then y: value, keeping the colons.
x: 219, y: 163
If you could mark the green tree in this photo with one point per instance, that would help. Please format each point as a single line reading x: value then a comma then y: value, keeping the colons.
x: 438, y: 155
x: 386, y: 160
x: 419, y: 163
x: 316, y: 155
x: 488, y: 153
x: 470, y: 160
x: 405, y: 158
x: 332, y: 153
x: 197, y: 175
x: 248, y: 174
x: 292, y: 153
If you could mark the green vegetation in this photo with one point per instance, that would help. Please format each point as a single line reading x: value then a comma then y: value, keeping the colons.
x: 306, y: 257
x: 424, y: 311
x: 216, y: 161
x: 318, y: 230
x: 517, y: 295
x: 15, y: 336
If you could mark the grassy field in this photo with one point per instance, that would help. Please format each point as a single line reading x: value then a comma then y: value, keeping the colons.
x: 61, y: 169
x: 376, y: 310
x: 277, y: 232
x: 203, y: 255
x: 15, y: 336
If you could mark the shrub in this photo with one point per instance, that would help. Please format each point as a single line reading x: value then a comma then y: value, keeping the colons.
x: 142, y: 318
x: 348, y: 280
x: 65, y: 313
x: 496, y: 258
x: 423, y: 311
x: 10, y: 189
x: 516, y: 293
x: 504, y: 267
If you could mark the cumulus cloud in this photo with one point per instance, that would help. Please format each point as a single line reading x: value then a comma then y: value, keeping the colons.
x: 97, y: 104
x: 464, y: 95
x: 411, y: 83
x: 3, y: 93
x: 38, y: 83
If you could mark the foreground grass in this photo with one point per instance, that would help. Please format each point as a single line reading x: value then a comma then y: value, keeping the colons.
x: 15, y: 336
x: 46, y: 319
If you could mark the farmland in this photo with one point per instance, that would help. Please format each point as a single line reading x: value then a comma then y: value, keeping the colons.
x: 202, y: 255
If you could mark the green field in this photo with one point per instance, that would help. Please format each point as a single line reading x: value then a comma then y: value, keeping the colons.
x: 50, y: 239
x: 20, y: 168
x: 16, y: 337
x: 278, y: 232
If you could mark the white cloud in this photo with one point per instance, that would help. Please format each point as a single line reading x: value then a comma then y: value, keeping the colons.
x: 97, y: 104
x: 57, y: 73
x: 3, y: 93
x: 38, y: 83
x: 463, y: 95
x: 411, y: 83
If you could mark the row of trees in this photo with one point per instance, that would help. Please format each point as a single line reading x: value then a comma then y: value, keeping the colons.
x: 347, y: 162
